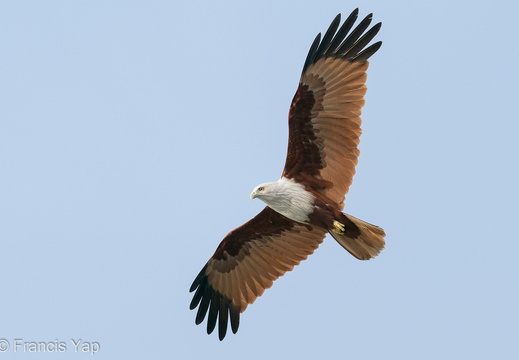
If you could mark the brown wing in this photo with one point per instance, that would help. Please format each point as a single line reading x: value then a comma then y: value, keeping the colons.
x: 324, y: 118
x: 246, y: 263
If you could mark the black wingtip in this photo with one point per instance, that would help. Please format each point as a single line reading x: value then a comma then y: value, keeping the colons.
x: 368, y: 52
x: 201, y: 275
x: 328, y: 36
x: 218, y: 308
x: 223, y: 318
x: 310, y: 58
x: 342, y: 43
x: 235, y: 319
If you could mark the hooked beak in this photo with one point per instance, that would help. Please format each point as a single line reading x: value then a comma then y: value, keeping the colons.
x: 253, y: 195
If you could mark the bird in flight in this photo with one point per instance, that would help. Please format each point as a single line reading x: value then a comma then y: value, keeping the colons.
x: 306, y: 203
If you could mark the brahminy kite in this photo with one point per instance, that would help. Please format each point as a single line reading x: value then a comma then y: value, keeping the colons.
x: 306, y: 202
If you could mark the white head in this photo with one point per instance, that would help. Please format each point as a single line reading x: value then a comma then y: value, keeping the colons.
x: 264, y: 191
x: 287, y: 198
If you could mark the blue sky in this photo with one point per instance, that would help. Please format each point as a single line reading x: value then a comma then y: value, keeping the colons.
x: 131, y: 134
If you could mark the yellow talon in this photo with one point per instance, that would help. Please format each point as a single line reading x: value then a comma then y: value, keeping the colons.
x: 339, y: 228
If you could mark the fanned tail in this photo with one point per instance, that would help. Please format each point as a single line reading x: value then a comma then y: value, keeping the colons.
x: 365, y: 246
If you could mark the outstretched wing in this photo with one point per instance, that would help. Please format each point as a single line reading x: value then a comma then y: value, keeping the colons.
x: 324, y: 118
x: 246, y: 263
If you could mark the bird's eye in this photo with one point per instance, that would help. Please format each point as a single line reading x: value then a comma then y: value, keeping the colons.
x: 261, y: 188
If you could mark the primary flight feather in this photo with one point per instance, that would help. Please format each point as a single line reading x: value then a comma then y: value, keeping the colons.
x: 306, y: 202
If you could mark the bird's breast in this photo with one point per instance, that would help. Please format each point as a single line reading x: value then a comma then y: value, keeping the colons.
x: 295, y: 202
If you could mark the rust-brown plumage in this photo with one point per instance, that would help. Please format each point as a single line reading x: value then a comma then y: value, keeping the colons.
x: 324, y: 131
